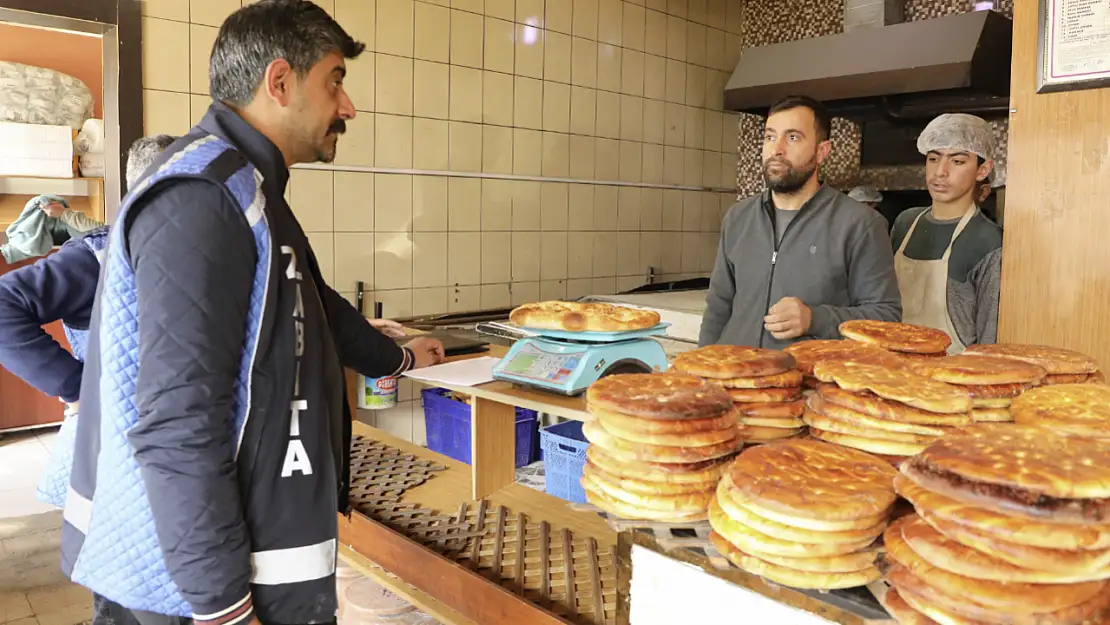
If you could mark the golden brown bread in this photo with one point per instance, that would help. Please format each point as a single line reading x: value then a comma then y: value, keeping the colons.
x: 772, y: 410
x: 809, y: 353
x: 991, y: 415
x: 979, y: 402
x: 782, y: 531
x: 790, y: 379
x: 980, y: 370
x: 1082, y: 409
x: 641, y: 487
x: 1009, y: 527
x: 725, y: 362
x: 1078, y: 378
x: 954, y: 556
x: 1054, y: 360
x: 699, y: 474
x: 782, y: 424
x: 896, y: 385
x: 978, y: 598
x: 870, y: 404
x: 703, y: 438
x: 583, y: 317
x: 754, y: 434
x: 996, y: 391
x: 792, y: 577
x: 896, y: 337
x: 752, y: 541
x: 764, y: 395
x: 829, y: 424
x: 902, y: 611
x: 627, y: 511
x: 845, y: 563
x: 659, y: 396
x: 664, y: 426
x: 680, y: 503
x: 815, y: 480
x: 622, y: 449
x: 1077, y: 564
x: 833, y: 411
x: 868, y: 444
x: 1023, y: 457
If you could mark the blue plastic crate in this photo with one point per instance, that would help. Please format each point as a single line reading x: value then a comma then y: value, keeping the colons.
x: 564, y: 456
x: 448, y: 426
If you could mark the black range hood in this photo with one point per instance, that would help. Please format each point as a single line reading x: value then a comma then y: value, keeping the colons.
x: 911, y: 70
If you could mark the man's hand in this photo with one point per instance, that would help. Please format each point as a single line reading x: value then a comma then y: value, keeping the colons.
x: 388, y: 327
x: 788, y: 319
x: 54, y: 209
x: 428, y: 351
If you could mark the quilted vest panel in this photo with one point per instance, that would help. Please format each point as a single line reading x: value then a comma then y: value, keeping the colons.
x: 120, y: 557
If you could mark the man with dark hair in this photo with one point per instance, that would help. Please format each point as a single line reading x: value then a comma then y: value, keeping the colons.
x: 211, y: 454
x: 800, y: 258
x: 949, y: 255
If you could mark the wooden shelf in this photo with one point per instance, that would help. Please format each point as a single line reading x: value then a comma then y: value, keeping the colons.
x: 79, y: 178
x: 92, y: 204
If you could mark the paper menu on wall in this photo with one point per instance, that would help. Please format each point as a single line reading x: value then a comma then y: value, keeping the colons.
x: 469, y: 372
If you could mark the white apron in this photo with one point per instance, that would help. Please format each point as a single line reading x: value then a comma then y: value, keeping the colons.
x: 924, y: 285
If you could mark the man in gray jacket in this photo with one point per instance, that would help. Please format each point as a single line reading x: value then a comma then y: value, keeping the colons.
x: 800, y: 258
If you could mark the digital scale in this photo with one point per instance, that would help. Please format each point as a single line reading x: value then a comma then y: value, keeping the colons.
x: 568, y: 362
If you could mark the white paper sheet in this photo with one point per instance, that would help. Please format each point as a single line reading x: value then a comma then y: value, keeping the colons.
x: 470, y: 372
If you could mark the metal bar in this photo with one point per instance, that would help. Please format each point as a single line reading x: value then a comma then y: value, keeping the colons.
x: 488, y: 176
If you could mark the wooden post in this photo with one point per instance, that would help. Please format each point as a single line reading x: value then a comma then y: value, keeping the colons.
x: 492, y: 446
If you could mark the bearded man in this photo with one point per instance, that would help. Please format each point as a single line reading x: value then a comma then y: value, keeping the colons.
x: 800, y: 258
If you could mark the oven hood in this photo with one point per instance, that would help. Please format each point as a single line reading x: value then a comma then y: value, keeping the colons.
x: 915, y: 69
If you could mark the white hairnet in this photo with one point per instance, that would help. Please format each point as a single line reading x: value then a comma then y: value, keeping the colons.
x: 958, y: 131
x: 865, y: 193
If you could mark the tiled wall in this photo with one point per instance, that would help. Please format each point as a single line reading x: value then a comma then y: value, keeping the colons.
x: 606, y: 90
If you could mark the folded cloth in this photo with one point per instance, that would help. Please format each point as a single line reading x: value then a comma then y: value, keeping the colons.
x: 34, y: 232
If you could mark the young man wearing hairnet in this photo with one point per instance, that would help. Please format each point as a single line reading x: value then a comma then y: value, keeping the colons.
x: 949, y: 255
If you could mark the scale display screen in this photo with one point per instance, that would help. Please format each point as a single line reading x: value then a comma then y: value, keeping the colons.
x: 536, y: 364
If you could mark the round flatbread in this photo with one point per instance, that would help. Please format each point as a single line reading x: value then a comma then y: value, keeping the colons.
x: 1096, y: 378
x: 809, y: 353
x: 896, y: 337
x: 866, y: 422
x: 785, y: 477
x: 1002, y: 402
x: 725, y: 362
x: 1079, y: 565
x: 790, y: 379
x: 681, y: 503
x: 996, y: 391
x: 754, y: 505
x: 1079, y: 378
x: 1054, y: 360
x: 782, y: 531
x: 763, y: 434
x: 755, y: 542
x: 828, y: 424
x: 870, y: 404
x: 1082, y: 409
x: 622, y: 449
x: 991, y: 415
x: 660, y: 426
x: 981, y: 370
x: 955, y: 557
x: 1023, y: 457
x: 629, y: 432
x: 792, y: 577
x: 868, y: 444
x: 698, y: 474
x: 764, y: 395
x: 659, y: 396
x: 583, y: 317
x: 1011, y: 528
x: 771, y: 410
x: 903, y: 612
x: 977, y: 598
x: 644, y: 488
x: 627, y: 511
x: 910, y: 389
x: 782, y: 424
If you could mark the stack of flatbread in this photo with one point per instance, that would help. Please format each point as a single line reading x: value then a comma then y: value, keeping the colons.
x: 1012, y: 526
x: 583, y: 317
x: 763, y: 384
x: 808, y: 353
x: 658, y: 445
x: 992, y: 383
x: 1064, y: 366
x: 804, y: 513
x: 891, y: 412
x: 1080, y: 409
x: 906, y: 340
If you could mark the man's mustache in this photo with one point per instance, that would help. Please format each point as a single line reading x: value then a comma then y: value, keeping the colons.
x: 337, y: 127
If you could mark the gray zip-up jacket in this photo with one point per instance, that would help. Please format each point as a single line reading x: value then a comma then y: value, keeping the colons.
x: 835, y: 256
